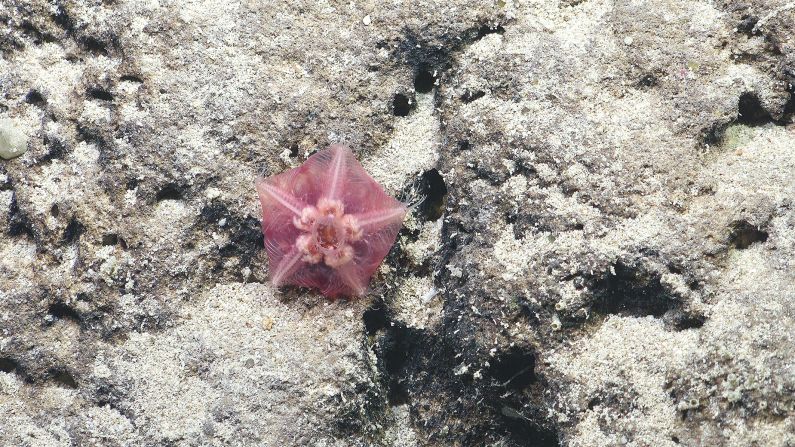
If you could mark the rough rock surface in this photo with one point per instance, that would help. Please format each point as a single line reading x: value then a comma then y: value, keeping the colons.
x: 605, y: 253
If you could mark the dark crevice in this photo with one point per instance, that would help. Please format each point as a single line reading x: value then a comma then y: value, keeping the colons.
x: 61, y: 311
x: 751, y: 112
x: 131, y: 78
x: 170, y: 191
x: 108, y: 395
x: 392, y: 349
x: 8, y: 365
x: 743, y: 235
x: 690, y: 322
x: 5, y: 185
x: 62, y: 378
x: 18, y: 223
x: 514, y: 369
x: 679, y: 320
x: 424, y: 81
x: 393, y: 344
x: 56, y: 149
x: 100, y: 94
x: 90, y: 135
x: 110, y: 239
x: 789, y: 107
x: 62, y: 19
x: 94, y: 45
x: 34, y: 97
x: 747, y: 24
x: 433, y: 190
x: 131, y: 184
x: 73, y: 231
x: 37, y: 35
x: 632, y: 292
x: 245, y: 235
x: 401, y: 105
x: 470, y: 96
x: 485, y: 30
x: 245, y: 239
x: 648, y: 80
x: 375, y: 318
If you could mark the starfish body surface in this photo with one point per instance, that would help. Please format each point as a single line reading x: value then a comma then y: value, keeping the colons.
x: 327, y: 224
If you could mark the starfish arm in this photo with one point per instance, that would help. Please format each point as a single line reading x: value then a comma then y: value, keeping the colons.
x: 286, y: 267
x: 352, y: 277
x: 280, y: 197
x: 375, y: 220
x: 336, y: 171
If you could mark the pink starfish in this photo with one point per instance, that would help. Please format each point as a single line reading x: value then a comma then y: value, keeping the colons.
x: 327, y: 223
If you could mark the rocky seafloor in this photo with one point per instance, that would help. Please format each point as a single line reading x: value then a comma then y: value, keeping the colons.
x: 605, y: 253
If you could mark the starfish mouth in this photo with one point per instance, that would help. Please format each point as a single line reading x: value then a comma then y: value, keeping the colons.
x: 327, y: 233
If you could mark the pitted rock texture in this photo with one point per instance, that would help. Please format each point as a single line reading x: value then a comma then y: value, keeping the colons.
x: 599, y: 250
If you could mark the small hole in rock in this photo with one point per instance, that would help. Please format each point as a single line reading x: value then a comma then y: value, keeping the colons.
x: 56, y: 149
x: 94, y: 45
x: 18, y: 223
x: 294, y: 150
x: 743, y: 235
x: 434, y: 191
x: 393, y: 347
x: 401, y: 105
x: 470, y: 96
x: 690, y: 322
x: 170, y: 191
x: 61, y: 311
x: 62, y: 377
x: 35, y: 98
x: 62, y: 19
x: 747, y: 24
x: 98, y: 93
x: 73, y: 231
x: 375, y: 318
x: 514, y: 369
x: 55, y: 211
x: 631, y: 291
x: 424, y: 81
x: 37, y: 36
x: 110, y: 239
x: 485, y: 30
x: 648, y: 80
x: 751, y: 112
x: 131, y: 78
x: 681, y: 320
x: 789, y: 107
x: 8, y: 365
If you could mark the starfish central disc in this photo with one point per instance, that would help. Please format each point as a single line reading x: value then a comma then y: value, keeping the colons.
x: 326, y: 233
